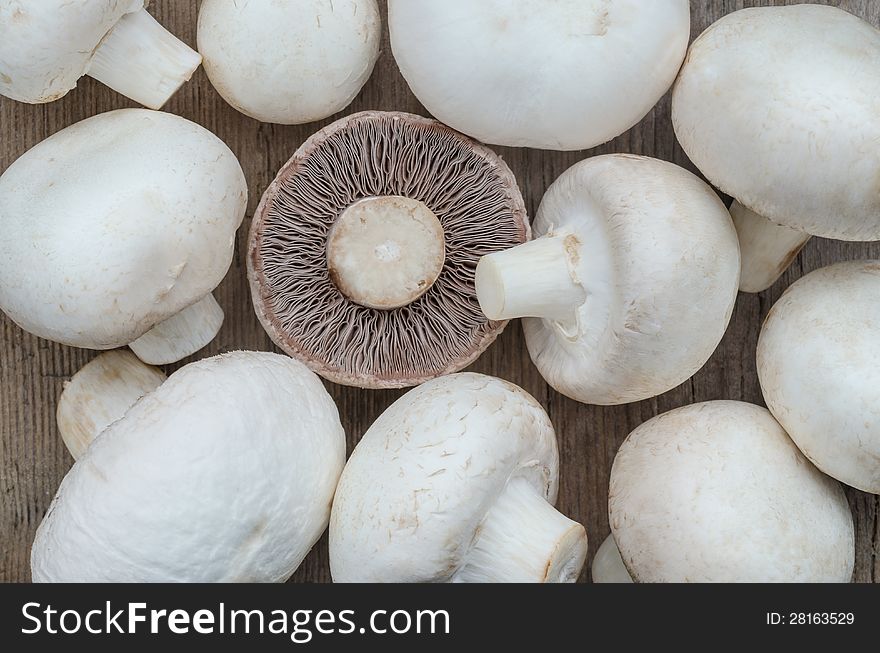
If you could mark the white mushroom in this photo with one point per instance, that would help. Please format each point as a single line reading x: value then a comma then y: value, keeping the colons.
x: 629, y: 285
x: 777, y: 106
x: 100, y: 394
x: 362, y: 251
x: 225, y: 473
x: 608, y: 566
x: 289, y: 62
x: 563, y: 75
x: 717, y: 492
x: 46, y: 46
x: 819, y: 366
x: 455, y: 482
x: 115, y: 231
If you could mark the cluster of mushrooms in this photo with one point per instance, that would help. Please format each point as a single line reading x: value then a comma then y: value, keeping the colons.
x: 391, y: 250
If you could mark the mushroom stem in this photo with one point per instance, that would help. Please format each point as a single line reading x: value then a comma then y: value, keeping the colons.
x: 180, y: 335
x: 142, y: 60
x: 524, y: 539
x: 100, y: 394
x: 767, y: 248
x: 608, y: 566
x: 535, y: 279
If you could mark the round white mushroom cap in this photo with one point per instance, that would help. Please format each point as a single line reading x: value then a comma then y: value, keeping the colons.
x: 819, y: 366
x: 115, y: 224
x: 100, y: 393
x: 289, y: 62
x: 46, y: 46
x: 777, y: 106
x: 224, y: 473
x: 455, y: 482
x: 563, y: 75
x: 718, y: 492
x: 607, y: 566
x: 629, y: 284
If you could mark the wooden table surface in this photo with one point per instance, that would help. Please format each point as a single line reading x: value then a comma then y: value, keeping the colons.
x: 33, y: 459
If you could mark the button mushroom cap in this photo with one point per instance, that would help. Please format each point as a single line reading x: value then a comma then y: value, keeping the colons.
x: 563, y: 75
x: 819, y: 367
x: 100, y: 394
x: 455, y: 482
x: 777, y: 106
x: 629, y: 284
x: 718, y: 492
x: 116, y: 224
x: 225, y: 473
x: 47, y: 46
x: 289, y: 62
x: 608, y: 566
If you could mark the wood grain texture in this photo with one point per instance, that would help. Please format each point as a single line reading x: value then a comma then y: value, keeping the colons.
x: 33, y: 459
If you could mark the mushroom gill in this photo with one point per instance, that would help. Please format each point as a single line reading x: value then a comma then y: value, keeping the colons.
x: 372, y: 155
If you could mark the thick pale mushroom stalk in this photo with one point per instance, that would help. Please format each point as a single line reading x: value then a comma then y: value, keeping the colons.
x: 535, y: 279
x: 181, y: 335
x: 767, y: 248
x: 386, y: 252
x: 142, y: 60
x: 524, y: 539
x: 100, y: 394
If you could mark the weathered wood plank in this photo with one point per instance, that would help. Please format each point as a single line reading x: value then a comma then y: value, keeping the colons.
x: 33, y: 459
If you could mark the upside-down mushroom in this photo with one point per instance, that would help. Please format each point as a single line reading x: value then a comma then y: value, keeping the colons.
x: 362, y: 252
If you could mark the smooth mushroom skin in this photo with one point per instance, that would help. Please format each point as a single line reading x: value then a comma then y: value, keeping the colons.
x: 225, y: 473
x: 455, y: 482
x: 607, y: 564
x: 386, y: 155
x: 564, y: 75
x: 289, y: 62
x: 116, y: 224
x: 48, y: 45
x: 718, y: 492
x: 629, y: 284
x: 777, y: 107
x: 767, y: 248
x: 101, y: 393
x: 819, y: 367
